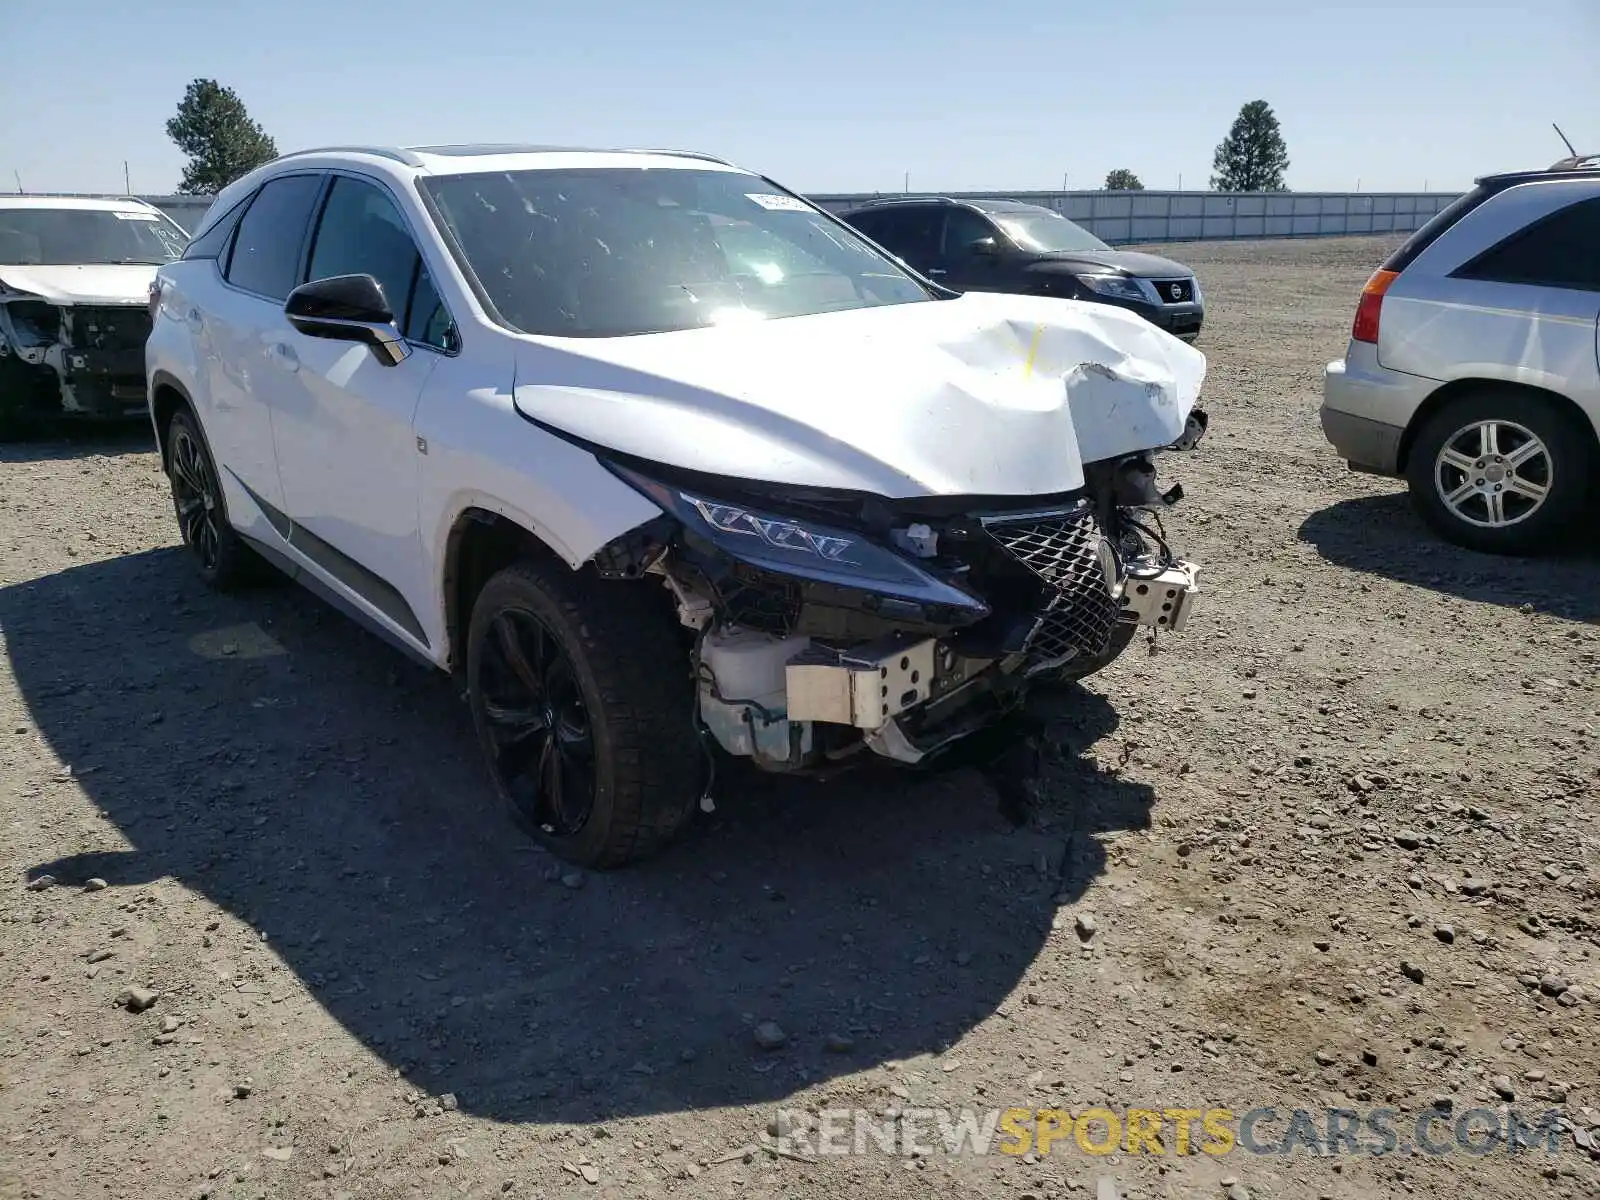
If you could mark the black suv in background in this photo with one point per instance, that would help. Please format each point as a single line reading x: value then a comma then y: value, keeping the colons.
x: 1008, y: 246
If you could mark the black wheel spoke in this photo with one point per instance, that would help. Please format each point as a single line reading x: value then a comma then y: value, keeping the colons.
x: 532, y: 707
x: 550, y: 791
x: 525, y: 669
x: 518, y: 752
x: 514, y: 716
x: 194, y: 495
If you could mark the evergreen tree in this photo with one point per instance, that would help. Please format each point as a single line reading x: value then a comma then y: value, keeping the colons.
x: 222, y: 142
x: 1253, y: 157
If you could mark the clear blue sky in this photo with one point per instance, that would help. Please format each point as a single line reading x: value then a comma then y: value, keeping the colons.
x: 827, y: 95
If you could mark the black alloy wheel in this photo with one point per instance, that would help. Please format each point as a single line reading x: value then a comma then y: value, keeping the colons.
x: 543, y: 758
x: 581, y: 697
x: 224, y: 560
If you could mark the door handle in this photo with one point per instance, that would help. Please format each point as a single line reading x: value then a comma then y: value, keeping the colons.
x: 285, y: 357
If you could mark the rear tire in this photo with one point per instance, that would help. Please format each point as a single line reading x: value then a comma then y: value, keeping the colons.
x: 1501, y: 471
x: 581, y: 698
x: 224, y: 560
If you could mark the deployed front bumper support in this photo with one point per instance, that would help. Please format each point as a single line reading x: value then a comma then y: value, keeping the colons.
x: 1163, y: 601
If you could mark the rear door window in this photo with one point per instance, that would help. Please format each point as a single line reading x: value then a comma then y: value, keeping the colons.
x: 266, y: 250
x: 911, y: 232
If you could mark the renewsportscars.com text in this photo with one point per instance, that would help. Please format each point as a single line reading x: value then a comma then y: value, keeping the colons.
x: 1166, y: 1131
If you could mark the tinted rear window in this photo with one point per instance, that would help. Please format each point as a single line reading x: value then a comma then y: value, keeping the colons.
x: 1559, y: 250
x: 1434, y: 228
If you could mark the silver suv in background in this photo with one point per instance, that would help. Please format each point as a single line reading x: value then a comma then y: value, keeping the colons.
x: 1473, y: 369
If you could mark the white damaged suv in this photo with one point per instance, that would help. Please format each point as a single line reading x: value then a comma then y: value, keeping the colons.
x: 663, y: 462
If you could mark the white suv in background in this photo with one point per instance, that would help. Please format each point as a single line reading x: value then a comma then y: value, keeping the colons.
x: 1474, y: 363
x: 75, y: 275
x: 662, y: 460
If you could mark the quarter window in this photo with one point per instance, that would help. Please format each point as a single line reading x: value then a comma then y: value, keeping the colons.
x: 1560, y: 250
x: 266, y: 252
x: 213, y: 241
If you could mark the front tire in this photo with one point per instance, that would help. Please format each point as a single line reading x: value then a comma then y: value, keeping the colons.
x: 583, y: 706
x: 1501, y: 471
x: 223, y: 559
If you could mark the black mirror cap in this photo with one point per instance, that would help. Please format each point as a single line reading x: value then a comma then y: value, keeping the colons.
x: 985, y: 245
x: 357, y: 298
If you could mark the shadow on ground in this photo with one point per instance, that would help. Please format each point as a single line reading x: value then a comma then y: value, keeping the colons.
x: 268, y: 755
x: 62, y: 441
x: 1381, y: 535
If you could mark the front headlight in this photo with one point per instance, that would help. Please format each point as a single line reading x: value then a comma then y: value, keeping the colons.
x: 803, y: 548
x: 1119, y: 287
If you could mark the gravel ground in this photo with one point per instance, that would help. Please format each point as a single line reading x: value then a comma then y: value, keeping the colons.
x: 1334, y: 846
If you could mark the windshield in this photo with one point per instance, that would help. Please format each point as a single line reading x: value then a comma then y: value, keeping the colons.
x: 64, y: 237
x: 1047, y: 232
x: 609, y: 252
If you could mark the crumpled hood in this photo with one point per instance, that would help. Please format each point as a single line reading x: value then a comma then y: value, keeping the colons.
x: 983, y: 395
x: 112, y: 283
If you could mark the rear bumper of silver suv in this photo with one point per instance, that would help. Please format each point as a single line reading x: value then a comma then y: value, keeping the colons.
x: 1366, y: 408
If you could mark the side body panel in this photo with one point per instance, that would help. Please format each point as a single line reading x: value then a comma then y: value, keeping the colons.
x: 1443, y: 327
x: 481, y: 454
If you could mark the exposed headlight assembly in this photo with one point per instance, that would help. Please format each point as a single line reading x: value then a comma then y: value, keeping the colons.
x: 1120, y: 287
x: 803, y: 548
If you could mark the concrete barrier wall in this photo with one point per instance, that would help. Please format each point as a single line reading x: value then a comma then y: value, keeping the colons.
x: 1120, y: 217
x: 1124, y: 217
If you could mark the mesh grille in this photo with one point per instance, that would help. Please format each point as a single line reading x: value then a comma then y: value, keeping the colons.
x: 1064, y: 551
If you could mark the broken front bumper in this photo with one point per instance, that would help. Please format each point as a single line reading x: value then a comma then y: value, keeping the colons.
x: 870, y: 686
x: 73, y: 360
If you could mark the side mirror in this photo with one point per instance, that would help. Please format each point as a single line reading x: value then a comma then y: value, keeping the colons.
x: 984, y: 247
x: 348, y: 308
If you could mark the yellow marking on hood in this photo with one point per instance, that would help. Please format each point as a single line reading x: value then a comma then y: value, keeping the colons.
x: 1033, y: 350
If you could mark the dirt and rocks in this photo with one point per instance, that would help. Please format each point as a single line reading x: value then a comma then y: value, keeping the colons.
x: 1333, y: 847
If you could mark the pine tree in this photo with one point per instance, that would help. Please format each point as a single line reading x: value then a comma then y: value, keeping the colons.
x: 222, y: 142
x: 1253, y: 157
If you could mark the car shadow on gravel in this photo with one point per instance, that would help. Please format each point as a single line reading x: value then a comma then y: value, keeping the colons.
x: 62, y: 442
x: 1381, y: 535
x: 266, y: 754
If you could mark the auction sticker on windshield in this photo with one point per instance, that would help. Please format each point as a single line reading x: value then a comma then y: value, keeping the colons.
x: 778, y: 203
x: 135, y: 216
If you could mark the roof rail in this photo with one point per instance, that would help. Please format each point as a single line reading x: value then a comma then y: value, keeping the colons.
x: 906, y: 198
x: 1581, y: 168
x: 700, y: 154
x: 390, y: 152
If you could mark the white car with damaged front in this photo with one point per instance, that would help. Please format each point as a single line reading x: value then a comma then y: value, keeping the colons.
x: 75, y: 275
x: 663, y: 462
